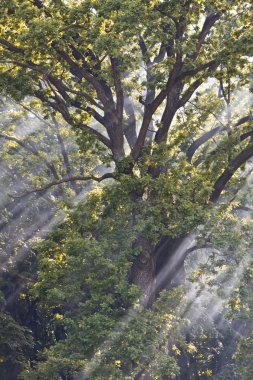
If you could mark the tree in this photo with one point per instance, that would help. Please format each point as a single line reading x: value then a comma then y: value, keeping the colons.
x: 33, y: 151
x: 133, y: 68
x: 82, y: 61
x: 83, y: 286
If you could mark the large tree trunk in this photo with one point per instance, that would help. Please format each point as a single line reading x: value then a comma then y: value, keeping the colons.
x: 162, y: 267
x: 157, y: 268
x: 170, y: 256
x: 143, y: 270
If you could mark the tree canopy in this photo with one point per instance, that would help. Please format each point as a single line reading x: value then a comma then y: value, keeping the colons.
x: 90, y: 60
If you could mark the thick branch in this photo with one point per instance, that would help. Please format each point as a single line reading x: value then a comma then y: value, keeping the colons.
x: 75, y: 69
x: 201, y: 140
x: 151, y: 108
x: 60, y: 106
x: 11, y: 47
x: 129, y: 126
x: 118, y: 88
x: 208, y: 135
x: 147, y: 117
x: 193, y: 86
x: 80, y: 73
x: 62, y: 109
x: 196, y: 70
x: 190, y: 91
x: 210, y: 20
x: 172, y: 105
x: 230, y: 171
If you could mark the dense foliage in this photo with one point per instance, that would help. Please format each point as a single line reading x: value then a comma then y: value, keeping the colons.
x: 149, y: 277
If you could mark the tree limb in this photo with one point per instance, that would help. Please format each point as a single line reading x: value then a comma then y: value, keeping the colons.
x: 33, y: 150
x: 210, y: 20
x: 11, y: 47
x: 224, y: 178
x: 90, y: 177
x: 118, y: 88
x: 196, y: 70
x: 207, y: 135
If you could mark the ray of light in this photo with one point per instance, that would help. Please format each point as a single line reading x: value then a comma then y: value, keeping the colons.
x: 191, y: 310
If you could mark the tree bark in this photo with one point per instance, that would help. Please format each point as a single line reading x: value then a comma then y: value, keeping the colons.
x: 162, y: 267
x: 143, y: 270
x: 170, y: 256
